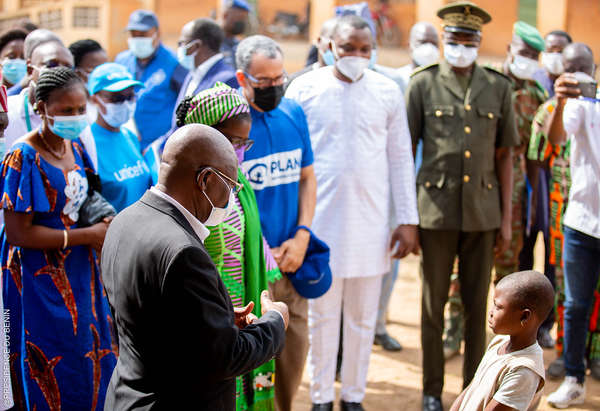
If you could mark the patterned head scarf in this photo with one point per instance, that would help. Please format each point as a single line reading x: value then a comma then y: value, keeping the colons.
x: 215, y: 105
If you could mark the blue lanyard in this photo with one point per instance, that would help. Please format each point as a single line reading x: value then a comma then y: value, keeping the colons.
x: 26, y: 108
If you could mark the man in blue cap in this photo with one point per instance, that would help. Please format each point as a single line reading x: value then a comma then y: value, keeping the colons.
x: 150, y: 62
x: 235, y: 22
x: 124, y: 175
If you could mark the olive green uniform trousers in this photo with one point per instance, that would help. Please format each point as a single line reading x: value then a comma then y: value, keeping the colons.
x: 475, y: 256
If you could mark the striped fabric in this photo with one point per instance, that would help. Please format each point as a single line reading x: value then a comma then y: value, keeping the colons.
x: 224, y: 244
x: 215, y: 105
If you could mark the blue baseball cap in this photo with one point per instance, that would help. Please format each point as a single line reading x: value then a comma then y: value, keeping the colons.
x: 142, y: 20
x: 240, y: 4
x: 110, y: 77
x: 313, y: 278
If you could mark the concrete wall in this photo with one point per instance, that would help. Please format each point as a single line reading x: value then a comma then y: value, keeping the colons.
x: 403, y: 13
x: 174, y: 14
x: 582, y: 23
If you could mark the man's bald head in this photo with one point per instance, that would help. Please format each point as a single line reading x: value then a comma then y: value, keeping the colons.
x: 423, y: 32
x: 578, y: 57
x: 196, y: 163
x: 193, y: 146
x: 328, y: 27
x: 37, y: 38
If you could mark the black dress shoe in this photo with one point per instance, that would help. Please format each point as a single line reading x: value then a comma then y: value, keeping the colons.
x: 328, y: 406
x: 388, y: 342
x: 351, y: 406
x: 431, y: 403
x: 556, y: 370
x: 544, y: 339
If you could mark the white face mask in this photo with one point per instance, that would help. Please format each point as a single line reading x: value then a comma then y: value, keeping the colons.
x: 523, y: 67
x: 425, y: 54
x: 218, y: 215
x: 553, y: 62
x: 118, y: 114
x: 352, y: 67
x: 458, y: 55
x: 141, y: 47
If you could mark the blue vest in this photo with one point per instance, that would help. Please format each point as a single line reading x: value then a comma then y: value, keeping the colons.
x: 156, y: 101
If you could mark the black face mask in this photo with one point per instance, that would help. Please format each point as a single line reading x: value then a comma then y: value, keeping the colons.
x: 238, y: 27
x: 269, y: 97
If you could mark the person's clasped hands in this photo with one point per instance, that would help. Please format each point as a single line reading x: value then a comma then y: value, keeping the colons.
x: 244, y: 316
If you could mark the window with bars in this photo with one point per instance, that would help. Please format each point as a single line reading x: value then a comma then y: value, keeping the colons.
x: 51, y: 19
x: 6, y: 24
x: 86, y: 17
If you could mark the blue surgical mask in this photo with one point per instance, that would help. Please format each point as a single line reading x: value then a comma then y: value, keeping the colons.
x: 68, y: 127
x: 373, y: 59
x: 13, y: 70
x: 118, y: 114
x: 328, y: 58
x: 186, y: 60
x: 141, y: 47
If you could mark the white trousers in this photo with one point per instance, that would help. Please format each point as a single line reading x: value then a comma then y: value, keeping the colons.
x: 359, y: 300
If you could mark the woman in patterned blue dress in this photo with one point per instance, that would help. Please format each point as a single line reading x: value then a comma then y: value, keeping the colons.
x: 61, y: 351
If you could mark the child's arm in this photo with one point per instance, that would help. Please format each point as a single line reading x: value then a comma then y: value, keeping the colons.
x: 496, y: 406
x: 458, y: 401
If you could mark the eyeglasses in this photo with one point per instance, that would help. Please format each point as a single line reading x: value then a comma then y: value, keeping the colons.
x: 234, y: 186
x: 238, y: 142
x: 51, y: 64
x: 265, y: 82
x: 118, y: 98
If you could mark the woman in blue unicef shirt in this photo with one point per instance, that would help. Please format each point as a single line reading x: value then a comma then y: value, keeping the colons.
x: 123, y: 173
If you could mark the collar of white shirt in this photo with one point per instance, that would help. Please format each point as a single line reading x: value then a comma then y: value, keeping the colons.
x: 200, y: 229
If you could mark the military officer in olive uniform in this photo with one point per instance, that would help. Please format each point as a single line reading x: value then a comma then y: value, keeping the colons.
x: 464, y: 115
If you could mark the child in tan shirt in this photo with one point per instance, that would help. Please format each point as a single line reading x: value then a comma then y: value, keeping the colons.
x: 511, y: 374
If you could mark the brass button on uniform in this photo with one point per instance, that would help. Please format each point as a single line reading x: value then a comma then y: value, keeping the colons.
x: 438, y: 113
x: 468, y: 107
x: 491, y: 115
x: 466, y: 178
x: 427, y: 184
x: 467, y: 154
x: 467, y: 129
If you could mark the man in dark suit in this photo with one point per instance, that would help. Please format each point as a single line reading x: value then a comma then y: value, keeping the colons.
x: 198, y: 51
x: 181, y: 343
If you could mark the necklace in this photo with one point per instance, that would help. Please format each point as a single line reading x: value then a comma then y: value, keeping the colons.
x: 50, y: 150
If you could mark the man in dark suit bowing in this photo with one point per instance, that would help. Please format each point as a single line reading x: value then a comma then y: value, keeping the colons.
x: 181, y: 343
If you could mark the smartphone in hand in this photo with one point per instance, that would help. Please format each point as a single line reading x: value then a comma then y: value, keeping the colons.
x: 588, y: 88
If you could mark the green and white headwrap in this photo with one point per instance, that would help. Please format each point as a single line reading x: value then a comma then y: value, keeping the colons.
x: 215, y: 105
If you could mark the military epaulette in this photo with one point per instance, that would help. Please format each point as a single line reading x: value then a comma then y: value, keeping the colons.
x: 496, y: 70
x: 542, y: 90
x: 423, y: 68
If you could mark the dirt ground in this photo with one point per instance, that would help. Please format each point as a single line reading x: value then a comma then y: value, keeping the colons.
x: 394, y: 379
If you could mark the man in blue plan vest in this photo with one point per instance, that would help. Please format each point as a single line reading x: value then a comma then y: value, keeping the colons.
x: 150, y: 62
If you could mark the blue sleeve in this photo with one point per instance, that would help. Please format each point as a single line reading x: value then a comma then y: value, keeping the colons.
x: 25, y: 187
x: 178, y: 77
x: 307, y: 153
x: 232, y: 82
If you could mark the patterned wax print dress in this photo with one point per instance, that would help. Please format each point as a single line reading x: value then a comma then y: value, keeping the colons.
x: 62, y: 353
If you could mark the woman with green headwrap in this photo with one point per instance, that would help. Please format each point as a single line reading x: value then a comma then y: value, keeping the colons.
x: 236, y: 246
